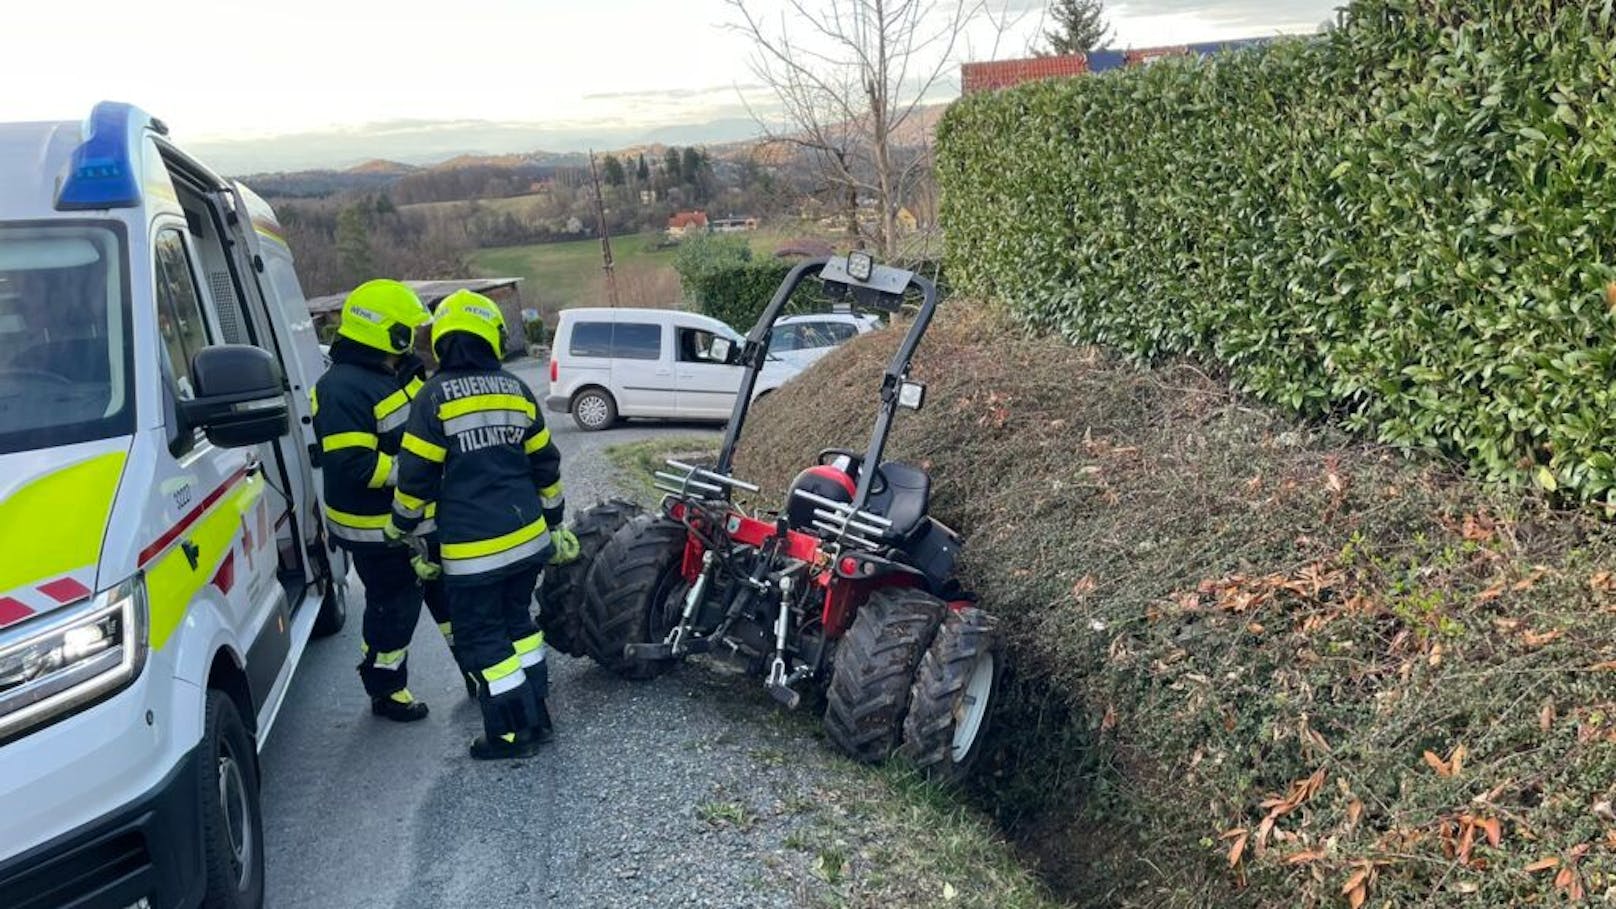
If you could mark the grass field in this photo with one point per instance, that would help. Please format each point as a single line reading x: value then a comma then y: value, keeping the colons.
x: 563, y: 275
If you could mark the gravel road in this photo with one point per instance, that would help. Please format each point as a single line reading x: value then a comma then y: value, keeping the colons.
x: 680, y: 792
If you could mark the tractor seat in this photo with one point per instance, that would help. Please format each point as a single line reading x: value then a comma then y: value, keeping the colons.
x: 905, y: 500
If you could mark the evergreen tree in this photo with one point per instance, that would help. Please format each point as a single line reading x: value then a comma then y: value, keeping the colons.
x: 690, y: 166
x: 1080, y: 27
x: 353, y: 246
x: 612, y: 171
x: 644, y: 173
x: 670, y: 165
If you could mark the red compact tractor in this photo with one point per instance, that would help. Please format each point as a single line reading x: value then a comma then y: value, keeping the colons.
x: 847, y: 592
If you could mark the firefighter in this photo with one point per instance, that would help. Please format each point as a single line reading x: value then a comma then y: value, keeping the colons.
x: 360, y: 407
x: 477, y: 446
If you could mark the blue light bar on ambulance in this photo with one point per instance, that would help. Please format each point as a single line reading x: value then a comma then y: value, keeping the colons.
x: 103, y: 172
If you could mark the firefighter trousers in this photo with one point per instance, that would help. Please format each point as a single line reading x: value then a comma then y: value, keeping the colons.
x: 393, y: 599
x: 500, y: 645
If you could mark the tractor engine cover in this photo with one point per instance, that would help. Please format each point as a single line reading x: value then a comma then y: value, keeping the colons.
x: 826, y: 481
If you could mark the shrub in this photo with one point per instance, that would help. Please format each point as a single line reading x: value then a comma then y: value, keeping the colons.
x: 1409, y: 223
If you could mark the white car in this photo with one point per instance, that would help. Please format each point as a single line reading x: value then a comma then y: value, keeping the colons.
x: 607, y: 364
x: 803, y: 340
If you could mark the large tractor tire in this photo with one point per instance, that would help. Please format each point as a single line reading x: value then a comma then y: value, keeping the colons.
x: 561, y: 595
x: 951, y: 702
x: 632, y: 594
x: 875, y: 670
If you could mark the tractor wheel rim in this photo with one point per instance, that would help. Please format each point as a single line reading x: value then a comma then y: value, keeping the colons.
x: 972, y: 710
x: 237, y: 813
x: 592, y: 411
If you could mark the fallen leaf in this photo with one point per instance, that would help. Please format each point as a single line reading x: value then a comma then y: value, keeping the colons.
x: 1494, y: 831
x: 1238, y: 848
x: 1456, y: 758
x: 1543, y: 864
x: 949, y: 893
x: 1545, y: 716
x: 1546, y: 479
x: 1490, y: 594
x: 1255, y: 628
x: 1302, y: 858
x: 1109, y: 721
x: 1357, y: 880
x: 1539, y: 638
x: 1607, y: 666
x: 1085, y: 585
x: 1602, y: 582
x: 1436, y: 763
x: 1263, y: 830
x: 1435, y: 657
x: 1478, y: 527
x: 1354, y: 811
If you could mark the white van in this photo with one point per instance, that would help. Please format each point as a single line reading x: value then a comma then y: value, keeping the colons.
x: 612, y: 363
x: 162, y: 560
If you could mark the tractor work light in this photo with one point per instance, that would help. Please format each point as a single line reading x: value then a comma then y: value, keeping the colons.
x: 103, y: 172
x: 860, y: 265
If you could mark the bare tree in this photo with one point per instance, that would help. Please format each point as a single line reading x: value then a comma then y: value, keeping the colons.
x: 850, y: 78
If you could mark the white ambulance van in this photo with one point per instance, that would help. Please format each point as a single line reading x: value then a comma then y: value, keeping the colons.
x: 162, y: 562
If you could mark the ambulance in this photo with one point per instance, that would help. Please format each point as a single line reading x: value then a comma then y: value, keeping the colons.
x: 162, y: 559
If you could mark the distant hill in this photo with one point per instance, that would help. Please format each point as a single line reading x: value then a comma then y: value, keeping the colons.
x: 382, y: 166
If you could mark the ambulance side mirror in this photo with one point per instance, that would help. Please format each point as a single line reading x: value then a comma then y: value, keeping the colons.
x: 240, y: 396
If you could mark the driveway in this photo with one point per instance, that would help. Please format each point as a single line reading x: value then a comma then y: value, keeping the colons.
x: 644, y: 799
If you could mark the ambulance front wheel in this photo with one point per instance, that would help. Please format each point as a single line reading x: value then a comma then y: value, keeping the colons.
x: 232, y: 819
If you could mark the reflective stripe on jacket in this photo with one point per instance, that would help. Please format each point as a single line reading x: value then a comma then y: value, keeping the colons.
x: 477, y: 446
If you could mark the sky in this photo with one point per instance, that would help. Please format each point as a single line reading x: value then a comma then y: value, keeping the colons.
x: 252, y: 81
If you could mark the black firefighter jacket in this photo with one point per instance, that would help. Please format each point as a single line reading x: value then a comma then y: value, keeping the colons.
x: 478, y: 449
x: 360, y: 408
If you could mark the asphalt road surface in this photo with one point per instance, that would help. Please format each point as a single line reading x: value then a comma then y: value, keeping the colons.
x: 360, y: 812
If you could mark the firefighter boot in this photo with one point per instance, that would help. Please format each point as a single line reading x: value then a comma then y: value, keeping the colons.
x: 508, y: 747
x: 400, y: 707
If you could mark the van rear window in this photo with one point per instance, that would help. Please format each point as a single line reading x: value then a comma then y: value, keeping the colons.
x: 625, y: 340
x: 592, y: 339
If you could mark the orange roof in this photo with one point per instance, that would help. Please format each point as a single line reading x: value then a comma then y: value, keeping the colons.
x: 688, y: 219
x: 984, y: 77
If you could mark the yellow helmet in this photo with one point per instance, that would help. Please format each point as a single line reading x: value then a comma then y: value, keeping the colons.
x: 384, y: 315
x: 470, y: 312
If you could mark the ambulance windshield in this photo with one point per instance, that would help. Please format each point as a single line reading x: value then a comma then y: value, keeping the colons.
x: 64, y: 335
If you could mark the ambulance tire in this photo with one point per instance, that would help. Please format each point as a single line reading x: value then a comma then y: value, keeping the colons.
x: 334, y: 606
x: 232, y: 819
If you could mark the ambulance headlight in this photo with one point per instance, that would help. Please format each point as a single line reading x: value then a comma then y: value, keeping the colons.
x: 66, y: 660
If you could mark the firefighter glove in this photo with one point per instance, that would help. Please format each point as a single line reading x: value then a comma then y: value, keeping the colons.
x: 425, y: 570
x: 566, y: 547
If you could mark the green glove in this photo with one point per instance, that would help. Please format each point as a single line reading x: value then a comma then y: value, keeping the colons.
x: 566, y: 546
x: 391, y: 533
x: 426, y: 571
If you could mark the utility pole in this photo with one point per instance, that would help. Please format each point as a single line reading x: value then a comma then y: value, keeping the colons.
x: 605, y: 239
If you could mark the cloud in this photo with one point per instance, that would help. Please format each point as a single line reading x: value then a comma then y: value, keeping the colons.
x: 1260, y: 15
x: 663, y: 94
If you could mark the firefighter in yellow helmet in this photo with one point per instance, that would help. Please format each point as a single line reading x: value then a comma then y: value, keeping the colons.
x: 360, y: 408
x: 477, y: 446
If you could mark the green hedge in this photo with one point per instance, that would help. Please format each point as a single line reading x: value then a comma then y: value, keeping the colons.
x: 737, y: 292
x: 1409, y: 223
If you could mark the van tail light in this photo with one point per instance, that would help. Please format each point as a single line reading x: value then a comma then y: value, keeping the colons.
x: 555, y: 371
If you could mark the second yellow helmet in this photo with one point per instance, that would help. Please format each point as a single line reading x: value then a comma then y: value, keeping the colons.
x: 470, y: 312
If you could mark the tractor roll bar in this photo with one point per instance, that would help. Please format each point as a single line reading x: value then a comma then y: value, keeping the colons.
x: 755, y: 353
